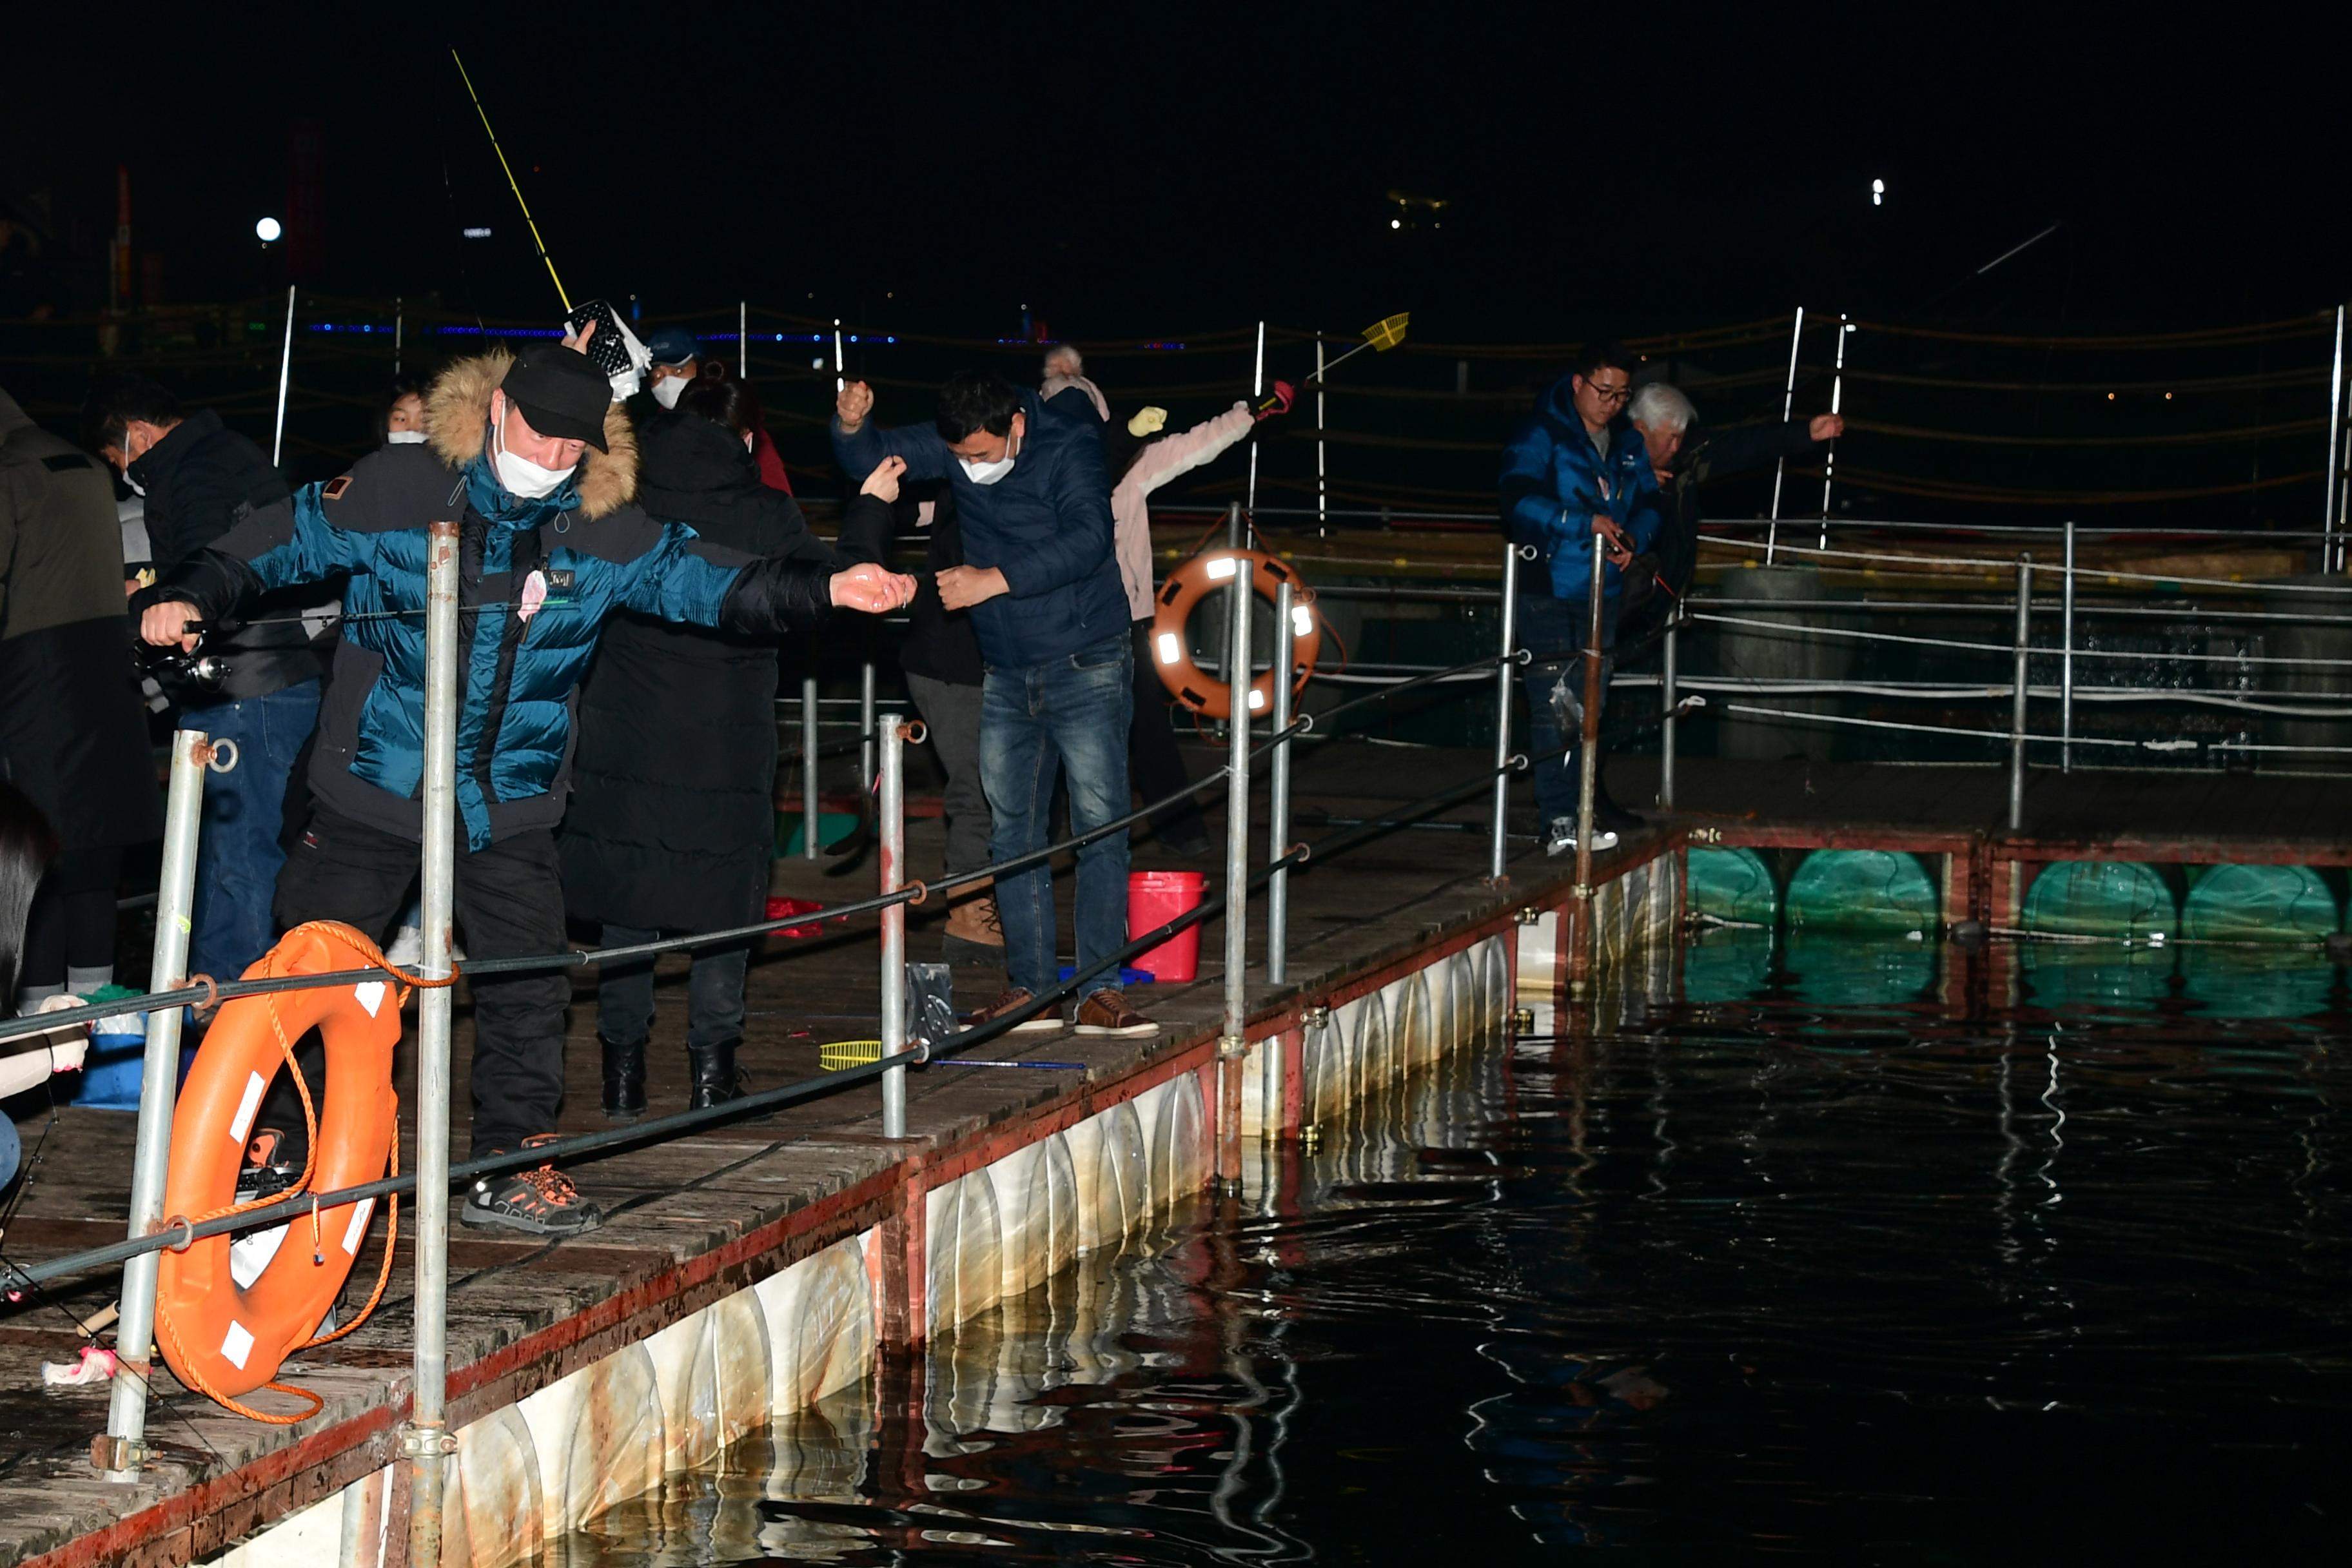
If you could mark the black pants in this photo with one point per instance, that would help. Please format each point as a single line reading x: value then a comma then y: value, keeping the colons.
x: 72, y: 921
x: 510, y: 902
x: 1154, y: 766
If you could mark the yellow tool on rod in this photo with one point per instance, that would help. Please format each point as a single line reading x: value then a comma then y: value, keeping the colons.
x: 1379, y: 337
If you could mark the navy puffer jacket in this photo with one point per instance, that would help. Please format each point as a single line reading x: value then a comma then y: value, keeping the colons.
x: 1554, y: 482
x: 1047, y: 526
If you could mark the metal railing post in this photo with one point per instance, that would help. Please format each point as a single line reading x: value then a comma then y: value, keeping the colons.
x: 1277, y: 833
x: 866, y: 725
x: 892, y: 809
x: 426, y: 1440
x: 1498, y: 844
x: 2066, y: 662
x: 285, y: 383
x: 1668, y: 722
x: 1233, y: 1043
x: 2018, y: 695
x: 1322, y: 470
x: 1837, y: 406
x: 1588, y: 751
x: 2329, y: 520
x: 809, y: 801
x: 1788, y: 403
x: 125, y: 1443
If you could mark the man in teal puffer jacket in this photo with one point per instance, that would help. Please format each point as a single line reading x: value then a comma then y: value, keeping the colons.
x: 538, y: 467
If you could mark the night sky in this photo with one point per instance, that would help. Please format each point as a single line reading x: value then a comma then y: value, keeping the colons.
x: 1141, y: 169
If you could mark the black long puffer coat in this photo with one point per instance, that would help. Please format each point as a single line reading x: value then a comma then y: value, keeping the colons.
x: 672, y: 816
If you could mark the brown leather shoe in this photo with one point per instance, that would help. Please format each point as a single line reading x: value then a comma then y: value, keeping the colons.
x: 973, y: 934
x: 1108, y: 1011
x: 1048, y: 1022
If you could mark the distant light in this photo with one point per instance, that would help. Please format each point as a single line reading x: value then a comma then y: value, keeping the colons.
x: 1878, y: 193
x: 268, y: 229
x: 817, y: 364
x: 1396, y: 223
x: 476, y: 232
x: 2168, y: 397
x: 2111, y: 397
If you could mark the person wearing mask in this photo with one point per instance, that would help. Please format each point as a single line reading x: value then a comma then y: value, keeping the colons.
x: 1575, y: 478
x: 541, y: 468
x: 679, y: 363
x: 73, y: 731
x: 1041, y: 581
x: 673, y: 785
x: 199, y: 479
x: 1682, y: 461
x: 1157, y: 766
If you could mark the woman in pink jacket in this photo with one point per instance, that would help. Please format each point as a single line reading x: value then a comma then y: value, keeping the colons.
x: 1154, y: 766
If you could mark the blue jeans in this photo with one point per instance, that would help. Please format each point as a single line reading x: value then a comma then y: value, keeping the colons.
x: 714, y: 993
x: 1036, y: 724
x: 1552, y: 629
x: 237, y: 852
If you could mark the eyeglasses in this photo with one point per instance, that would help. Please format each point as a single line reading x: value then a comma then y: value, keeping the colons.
x: 1609, y: 393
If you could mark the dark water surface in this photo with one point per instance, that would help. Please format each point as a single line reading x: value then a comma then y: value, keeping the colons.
x: 1808, y: 1274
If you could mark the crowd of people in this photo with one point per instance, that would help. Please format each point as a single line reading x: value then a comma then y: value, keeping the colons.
x: 627, y: 571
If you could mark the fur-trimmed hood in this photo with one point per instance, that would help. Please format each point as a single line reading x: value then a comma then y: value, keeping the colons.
x: 456, y: 422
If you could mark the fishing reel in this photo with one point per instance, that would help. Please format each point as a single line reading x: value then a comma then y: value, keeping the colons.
x: 205, y: 671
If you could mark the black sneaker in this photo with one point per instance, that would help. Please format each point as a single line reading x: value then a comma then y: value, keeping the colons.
x: 541, y: 1200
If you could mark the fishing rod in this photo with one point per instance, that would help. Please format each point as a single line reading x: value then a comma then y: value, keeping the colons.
x: 1379, y: 337
x: 528, y: 222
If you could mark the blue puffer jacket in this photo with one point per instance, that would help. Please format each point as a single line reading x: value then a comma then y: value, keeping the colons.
x: 536, y: 580
x: 1047, y: 526
x: 1554, y: 482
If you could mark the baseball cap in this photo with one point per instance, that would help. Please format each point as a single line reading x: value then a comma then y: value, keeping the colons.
x: 673, y: 345
x: 561, y: 394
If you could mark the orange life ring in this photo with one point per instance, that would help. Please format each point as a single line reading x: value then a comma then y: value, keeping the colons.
x: 1172, y: 644
x: 221, y: 1338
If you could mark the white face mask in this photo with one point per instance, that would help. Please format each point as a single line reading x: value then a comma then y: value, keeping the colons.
x: 989, y: 473
x: 669, y: 389
x: 521, y: 476
x: 404, y: 438
x: 136, y: 487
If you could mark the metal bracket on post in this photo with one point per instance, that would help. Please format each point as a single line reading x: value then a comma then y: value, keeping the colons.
x: 417, y: 1442
x: 1232, y: 1048
x: 893, y: 812
x: 122, y: 1451
x: 1499, y: 844
x: 1278, y: 835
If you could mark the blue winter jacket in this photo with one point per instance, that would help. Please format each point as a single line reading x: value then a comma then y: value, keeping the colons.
x: 536, y: 580
x: 1554, y: 483
x: 1047, y: 526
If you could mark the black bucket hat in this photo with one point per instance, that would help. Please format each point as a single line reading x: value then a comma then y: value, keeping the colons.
x: 561, y: 394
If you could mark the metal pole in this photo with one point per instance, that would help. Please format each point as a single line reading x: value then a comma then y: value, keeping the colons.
x: 1322, y: 471
x: 742, y: 339
x: 1232, y: 1044
x: 2017, y: 694
x: 1498, y: 847
x: 1588, y: 759
x: 1257, y: 390
x: 428, y: 1439
x: 1277, y: 833
x: 1837, y: 400
x: 840, y: 380
x: 2329, y: 518
x: 285, y: 378
x: 866, y: 724
x: 809, y: 806
x: 893, y: 812
x: 1667, y: 722
x: 1788, y: 403
x: 2066, y: 664
x: 126, y: 1417
x: 399, y: 331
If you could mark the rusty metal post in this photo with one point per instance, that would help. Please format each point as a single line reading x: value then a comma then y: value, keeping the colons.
x: 1498, y: 846
x: 1277, y: 837
x: 893, y: 812
x: 1233, y: 1043
x: 123, y: 1450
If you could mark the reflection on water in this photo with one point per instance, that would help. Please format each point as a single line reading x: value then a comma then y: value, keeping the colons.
x: 1878, y: 1252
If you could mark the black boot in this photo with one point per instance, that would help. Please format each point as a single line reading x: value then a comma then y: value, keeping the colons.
x: 716, y: 1078
x: 625, y: 1080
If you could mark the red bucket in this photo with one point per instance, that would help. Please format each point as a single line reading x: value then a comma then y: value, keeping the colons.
x: 1155, y: 897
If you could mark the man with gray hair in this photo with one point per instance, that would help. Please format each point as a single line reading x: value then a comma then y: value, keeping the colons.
x: 1684, y: 461
x: 1065, y: 368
